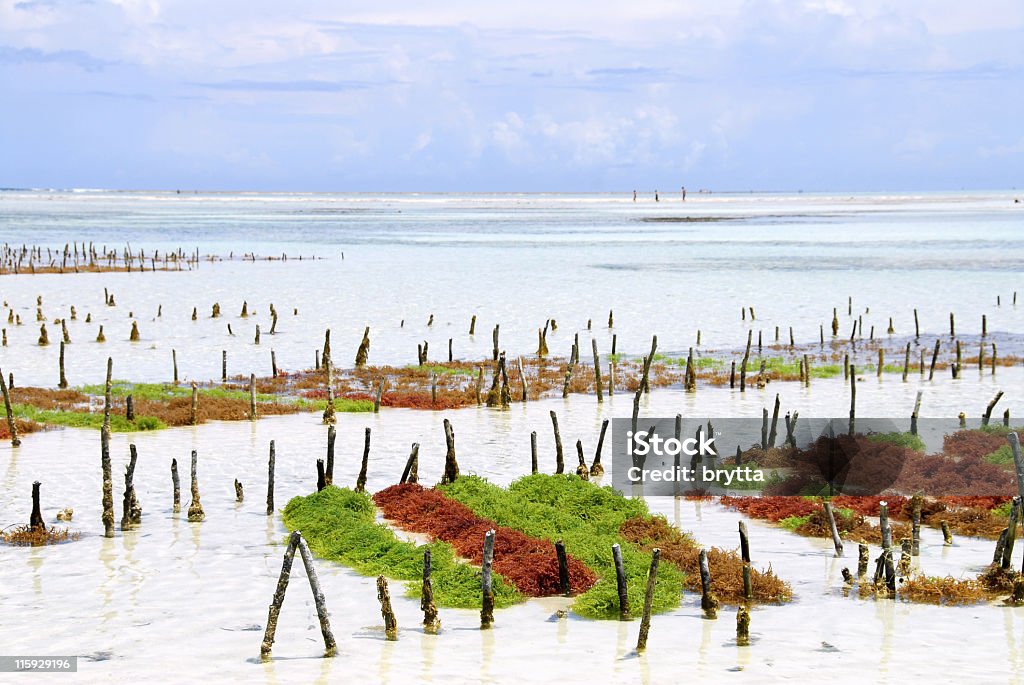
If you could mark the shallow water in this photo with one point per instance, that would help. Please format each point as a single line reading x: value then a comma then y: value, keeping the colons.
x: 174, y: 601
x: 511, y: 260
x: 188, y: 597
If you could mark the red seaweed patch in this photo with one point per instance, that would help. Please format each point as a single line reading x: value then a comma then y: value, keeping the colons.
x: 529, y: 563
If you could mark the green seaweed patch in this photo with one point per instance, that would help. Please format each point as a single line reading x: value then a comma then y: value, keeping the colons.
x: 340, y: 525
x: 906, y: 440
x: 82, y: 419
x: 787, y: 367
x: 163, y: 391
x: 1002, y: 457
x: 587, y: 519
x: 341, y: 404
x: 794, y: 522
x: 442, y: 370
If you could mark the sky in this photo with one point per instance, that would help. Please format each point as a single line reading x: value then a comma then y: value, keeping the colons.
x: 463, y: 95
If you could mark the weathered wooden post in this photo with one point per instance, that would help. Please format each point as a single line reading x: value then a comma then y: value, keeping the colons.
x: 559, y: 455
x: 410, y: 472
x: 195, y: 508
x: 431, y: 623
x: 620, y: 581
x: 987, y: 416
x: 487, y: 607
x: 176, y: 483
x: 533, y: 452
x: 35, y: 521
x: 645, y: 621
x: 252, y: 397
x: 596, y: 469
x: 494, y: 339
x: 451, y: 464
x: 837, y: 542
x: 935, y: 356
x: 862, y: 560
x: 597, y: 371
x: 853, y: 399
x: 361, y: 479
x: 329, y: 470
x: 11, y: 426
x: 745, y: 556
x: 63, y: 383
x: 174, y: 362
x: 363, y: 353
x: 743, y: 625
x: 108, y: 484
x: 390, y: 624
x: 223, y: 365
x: 270, y: 480
x: 708, y: 601
x: 563, y: 569
x: 131, y: 511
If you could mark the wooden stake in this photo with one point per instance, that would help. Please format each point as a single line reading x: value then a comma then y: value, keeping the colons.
x: 597, y: 371
x: 563, y: 569
x: 559, y: 455
x: 853, y: 399
x: 15, y: 441
x: 278, y: 600
x: 239, y: 494
x: 108, y: 484
x: 748, y: 592
x: 35, y: 521
x: 329, y: 470
x: 837, y: 542
x: 131, y: 511
x: 409, y: 473
x: 533, y: 452
x: 252, y: 397
x: 431, y: 623
x: 195, y: 508
x: 708, y: 601
x: 176, y: 483
x: 652, y: 579
x: 487, y: 607
x: 596, y: 469
x: 451, y: 464
x: 270, y: 480
x: 63, y: 383
x: 361, y: 480
x: 620, y: 581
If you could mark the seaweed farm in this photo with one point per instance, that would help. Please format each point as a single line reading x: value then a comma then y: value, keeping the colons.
x: 413, y: 405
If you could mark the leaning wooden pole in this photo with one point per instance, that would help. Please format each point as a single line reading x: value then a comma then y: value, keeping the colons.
x: 278, y: 600
x: 361, y: 479
x: 15, y: 442
x: 645, y: 621
x: 330, y: 646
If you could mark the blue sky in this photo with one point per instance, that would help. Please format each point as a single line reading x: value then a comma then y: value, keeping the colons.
x: 466, y: 95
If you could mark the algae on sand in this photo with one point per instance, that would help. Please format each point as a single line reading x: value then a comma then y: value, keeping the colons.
x: 340, y: 525
x: 587, y: 519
